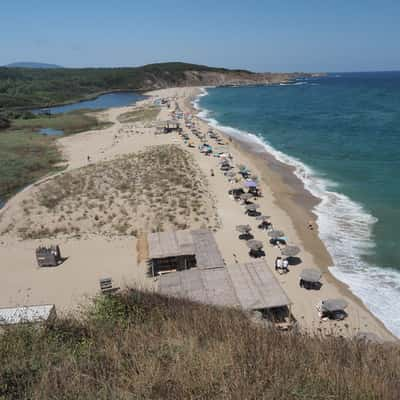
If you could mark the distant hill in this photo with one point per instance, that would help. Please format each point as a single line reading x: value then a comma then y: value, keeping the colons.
x: 27, y: 64
x: 39, y: 87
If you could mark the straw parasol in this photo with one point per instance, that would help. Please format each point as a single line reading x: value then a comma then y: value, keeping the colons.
x: 290, y: 251
x: 310, y: 275
x: 263, y: 218
x: 332, y: 305
x: 252, y: 207
x: 275, y: 234
x: 255, y: 244
x: 243, y: 228
x: 246, y: 196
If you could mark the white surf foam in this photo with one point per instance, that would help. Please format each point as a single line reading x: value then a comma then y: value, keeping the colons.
x: 294, y: 83
x: 346, y: 229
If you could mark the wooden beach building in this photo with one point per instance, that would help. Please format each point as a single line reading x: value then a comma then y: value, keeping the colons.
x: 249, y: 286
x: 181, y: 250
x: 27, y: 314
x: 169, y: 126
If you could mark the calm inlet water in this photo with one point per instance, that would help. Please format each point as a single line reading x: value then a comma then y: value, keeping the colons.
x: 342, y: 133
x: 109, y: 100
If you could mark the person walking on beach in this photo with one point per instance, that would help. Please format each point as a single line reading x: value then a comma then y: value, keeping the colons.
x: 278, y: 263
x: 212, y: 172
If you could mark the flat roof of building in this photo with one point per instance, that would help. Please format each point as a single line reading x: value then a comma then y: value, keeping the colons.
x: 16, y: 315
x: 199, y: 242
x: 250, y: 286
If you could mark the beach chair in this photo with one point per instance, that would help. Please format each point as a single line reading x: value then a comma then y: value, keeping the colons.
x: 106, y: 286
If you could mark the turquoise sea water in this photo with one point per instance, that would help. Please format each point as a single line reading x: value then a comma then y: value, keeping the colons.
x: 342, y: 133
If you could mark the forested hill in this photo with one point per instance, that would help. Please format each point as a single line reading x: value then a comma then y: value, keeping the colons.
x: 29, y: 87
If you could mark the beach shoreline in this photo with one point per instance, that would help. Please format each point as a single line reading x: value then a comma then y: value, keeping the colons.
x: 291, y: 195
x: 285, y: 199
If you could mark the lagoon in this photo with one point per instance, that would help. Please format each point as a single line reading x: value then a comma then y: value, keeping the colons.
x: 108, y: 100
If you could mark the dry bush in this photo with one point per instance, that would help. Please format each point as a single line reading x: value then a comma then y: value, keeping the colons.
x: 137, y: 345
x: 159, y: 188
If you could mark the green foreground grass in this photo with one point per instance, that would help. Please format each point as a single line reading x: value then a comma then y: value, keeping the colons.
x: 24, y: 158
x: 138, y: 345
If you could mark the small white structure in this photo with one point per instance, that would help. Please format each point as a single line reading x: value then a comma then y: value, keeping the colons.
x: 27, y: 314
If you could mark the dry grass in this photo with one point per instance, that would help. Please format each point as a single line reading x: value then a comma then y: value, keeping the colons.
x: 140, y: 115
x: 145, y: 346
x: 157, y: 189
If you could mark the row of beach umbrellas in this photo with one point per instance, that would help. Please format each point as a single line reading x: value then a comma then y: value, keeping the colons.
x: 307, y: 274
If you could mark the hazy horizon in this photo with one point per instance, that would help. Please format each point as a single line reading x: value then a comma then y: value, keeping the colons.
x: 307, y: 36
x: 215, y: 66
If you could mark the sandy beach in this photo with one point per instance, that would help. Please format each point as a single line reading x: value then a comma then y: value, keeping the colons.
x: 91, y: 255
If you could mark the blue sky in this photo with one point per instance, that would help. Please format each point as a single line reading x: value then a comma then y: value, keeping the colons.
x: 281, y: 35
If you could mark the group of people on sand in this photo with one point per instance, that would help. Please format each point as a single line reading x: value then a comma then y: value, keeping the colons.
x: 281, y: 264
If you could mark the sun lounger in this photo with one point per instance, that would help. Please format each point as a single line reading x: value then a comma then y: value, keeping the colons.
x: 106, y: 286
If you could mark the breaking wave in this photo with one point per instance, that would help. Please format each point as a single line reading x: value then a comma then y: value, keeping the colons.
x: 345, y: 227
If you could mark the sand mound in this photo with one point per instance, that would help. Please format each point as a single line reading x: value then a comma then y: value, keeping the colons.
x: 156, y: 189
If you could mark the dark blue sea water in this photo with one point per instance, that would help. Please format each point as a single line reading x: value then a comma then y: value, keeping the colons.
x: 109, y: 100
x: 342, y: 133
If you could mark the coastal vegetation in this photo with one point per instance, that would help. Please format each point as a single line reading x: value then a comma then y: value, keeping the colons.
x: 157, y: 189
x: 71, y: 122
x: 142, y: 114
x: 36, y: 87
x: 4, y: 123
x: 25, y: 157
x: 146, y: 346
x: 24, y: 87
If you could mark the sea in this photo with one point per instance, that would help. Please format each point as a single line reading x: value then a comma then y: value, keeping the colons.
x: 341, y: 133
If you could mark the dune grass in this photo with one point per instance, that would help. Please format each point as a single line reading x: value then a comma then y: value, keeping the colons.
x: 138, y: 345
x: 140, y: 115
x: 156, y: 189
x: 25, y: 158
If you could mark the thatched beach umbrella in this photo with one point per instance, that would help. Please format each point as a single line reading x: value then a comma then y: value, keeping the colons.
x: 246, y: 196
x: 255, y: 244
x: 243, y: 228
x: 252, y: 207
x: 290, y: 251
x: 275, y: 234
x: 263, y: 218
x: 332, y: 305
x: 310, y: 275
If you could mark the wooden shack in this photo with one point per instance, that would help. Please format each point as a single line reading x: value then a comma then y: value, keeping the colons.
x: 181, y: 250
x: 249, y: 286
x: 27, y: 314
x: 48, y: 256
x: 169, y: 126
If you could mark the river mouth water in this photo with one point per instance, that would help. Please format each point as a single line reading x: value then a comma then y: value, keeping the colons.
x: 107, y: 100
x: 104, y: 101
